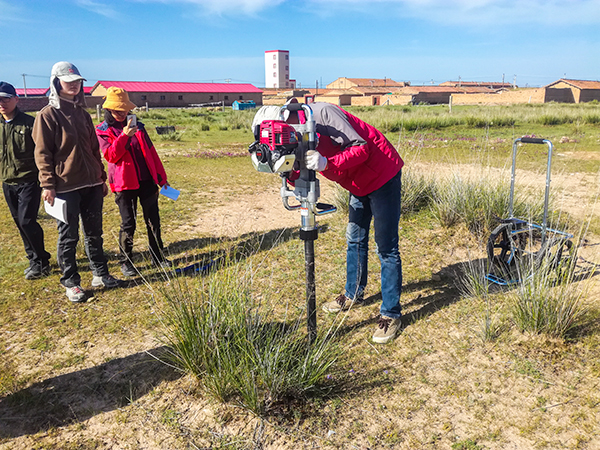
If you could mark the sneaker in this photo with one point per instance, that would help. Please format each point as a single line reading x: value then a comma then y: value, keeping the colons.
x: 128, y: 270
x: 105, y: 281
x: 35, y: 272
x: 386, y: 329
x: 342, y: 303
x: 76, y: 294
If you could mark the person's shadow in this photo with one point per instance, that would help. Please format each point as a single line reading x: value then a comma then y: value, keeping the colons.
x: 77, y: 396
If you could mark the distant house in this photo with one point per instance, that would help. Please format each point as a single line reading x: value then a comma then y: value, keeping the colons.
x: 44, y: 92
x: 487, y: 84
x: 572, y: 91
x: 168, y: 94
x: 34, y: 99
x: 434, y: 95
x: 32, y: 92
x: 561, y: 91
x: 347, y: 83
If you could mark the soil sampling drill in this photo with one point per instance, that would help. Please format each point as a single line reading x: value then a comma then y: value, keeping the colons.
x: 281, y: 148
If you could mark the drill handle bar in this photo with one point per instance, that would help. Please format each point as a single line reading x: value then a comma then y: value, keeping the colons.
x: 317, y: 208
x: 310, y: 123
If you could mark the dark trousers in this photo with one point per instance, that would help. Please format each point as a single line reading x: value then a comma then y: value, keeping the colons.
x: 87, y: 204
x: 127, y: 201
x: 24, y: 203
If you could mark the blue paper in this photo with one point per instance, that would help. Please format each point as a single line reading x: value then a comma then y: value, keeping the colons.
x: 170, y: 192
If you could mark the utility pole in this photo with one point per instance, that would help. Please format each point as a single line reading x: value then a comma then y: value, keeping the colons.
x: 24, y: 86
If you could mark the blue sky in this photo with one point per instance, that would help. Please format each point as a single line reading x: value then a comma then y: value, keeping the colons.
x: 421, y: 41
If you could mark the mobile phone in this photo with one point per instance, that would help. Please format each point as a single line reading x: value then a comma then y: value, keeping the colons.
x: 133, y: 119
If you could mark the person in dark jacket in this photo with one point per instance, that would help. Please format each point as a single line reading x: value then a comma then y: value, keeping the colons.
x: 134, y: 173
x: 358, y: 157
x: 71, y: 169
x: 19, y: 176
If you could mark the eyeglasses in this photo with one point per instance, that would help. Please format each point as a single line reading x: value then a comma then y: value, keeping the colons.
x: 5, y: 99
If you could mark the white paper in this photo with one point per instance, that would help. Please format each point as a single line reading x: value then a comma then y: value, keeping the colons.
x: 58, y: 210
x: 170, y: 192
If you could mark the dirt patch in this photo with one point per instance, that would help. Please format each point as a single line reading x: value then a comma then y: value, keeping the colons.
x: 247, y: 212
x: 244, y: 212
x: 574, y: 193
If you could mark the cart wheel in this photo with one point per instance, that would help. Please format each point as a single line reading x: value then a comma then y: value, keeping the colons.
x: 504, y: 251
x: 560, y: 257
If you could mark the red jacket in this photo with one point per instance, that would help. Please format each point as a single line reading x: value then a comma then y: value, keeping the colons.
x: 122, y: 170
x: 359, y: 157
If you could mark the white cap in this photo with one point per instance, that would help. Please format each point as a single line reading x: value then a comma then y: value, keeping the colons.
x: 66, y: 71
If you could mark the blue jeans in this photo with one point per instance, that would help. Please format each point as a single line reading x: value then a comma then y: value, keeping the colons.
x: 383, y: 205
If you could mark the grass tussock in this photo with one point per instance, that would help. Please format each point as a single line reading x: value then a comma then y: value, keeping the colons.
x: 547, y: 300
x: 219, y: 333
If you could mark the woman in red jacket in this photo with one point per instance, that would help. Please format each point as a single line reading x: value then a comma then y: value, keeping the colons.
x: 134, y: 171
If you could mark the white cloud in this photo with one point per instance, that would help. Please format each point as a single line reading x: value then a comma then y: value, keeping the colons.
x: 11, y: 13
x: 98, y: 8
x: 227, y: 7
x: 479, y: 12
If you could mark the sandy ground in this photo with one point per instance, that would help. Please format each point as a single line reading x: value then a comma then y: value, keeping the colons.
x: 575, y: 193
x: 121, y: 428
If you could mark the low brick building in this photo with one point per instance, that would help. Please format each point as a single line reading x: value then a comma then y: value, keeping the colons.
x: 502, y: 97
x: 347, y: 83
x: 169, y: 95
x: 572, y: 91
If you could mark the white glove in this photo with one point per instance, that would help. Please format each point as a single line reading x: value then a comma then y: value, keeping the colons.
x: 315, y: 161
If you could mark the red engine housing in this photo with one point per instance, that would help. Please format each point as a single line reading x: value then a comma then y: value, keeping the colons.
x: 275, y: 133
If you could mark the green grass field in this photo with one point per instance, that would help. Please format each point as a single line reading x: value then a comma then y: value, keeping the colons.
x: 86, y: 376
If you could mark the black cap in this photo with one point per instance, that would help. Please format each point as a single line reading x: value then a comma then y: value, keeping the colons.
x: 7, y: 90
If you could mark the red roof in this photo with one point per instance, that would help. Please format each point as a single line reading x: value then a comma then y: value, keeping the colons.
x: 581, y: 84
x: 31, y: 91
x: 159, y: 86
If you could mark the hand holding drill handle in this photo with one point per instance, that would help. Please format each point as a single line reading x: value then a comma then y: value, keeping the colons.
x: 315, y: 161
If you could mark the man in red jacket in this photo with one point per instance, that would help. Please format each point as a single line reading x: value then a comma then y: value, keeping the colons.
x: 358, y: 157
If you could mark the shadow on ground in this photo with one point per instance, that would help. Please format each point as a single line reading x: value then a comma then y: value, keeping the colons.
x: 447, y: 291
x: 77, y: 396
x: 227, y: 250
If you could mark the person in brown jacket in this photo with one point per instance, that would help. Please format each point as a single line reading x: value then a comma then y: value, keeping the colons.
x: 67, y: 155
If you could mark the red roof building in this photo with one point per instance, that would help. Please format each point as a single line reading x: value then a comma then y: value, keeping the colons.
x: 32, y: 92
x: 167, y: 94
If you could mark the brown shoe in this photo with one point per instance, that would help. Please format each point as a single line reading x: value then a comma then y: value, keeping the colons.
x: 386, y: 329
x: 342, y: 303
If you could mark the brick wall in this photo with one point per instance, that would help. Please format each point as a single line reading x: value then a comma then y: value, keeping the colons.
x: 29, y: 104
x: 32, y: 103
x: 503, y: 98
x: 396, y: 99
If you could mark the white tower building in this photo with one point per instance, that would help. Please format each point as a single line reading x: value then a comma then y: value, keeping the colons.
x: 277, y: 69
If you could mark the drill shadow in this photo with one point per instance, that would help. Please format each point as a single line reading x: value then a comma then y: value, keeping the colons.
x: 230, y: 250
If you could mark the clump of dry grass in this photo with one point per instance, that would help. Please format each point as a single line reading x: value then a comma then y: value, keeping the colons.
x: 231, y: 342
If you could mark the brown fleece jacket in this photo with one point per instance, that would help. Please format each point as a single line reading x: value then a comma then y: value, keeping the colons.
x: 67, y: 152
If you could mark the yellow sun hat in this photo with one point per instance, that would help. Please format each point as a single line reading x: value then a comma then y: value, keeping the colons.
x: 117, y: 99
